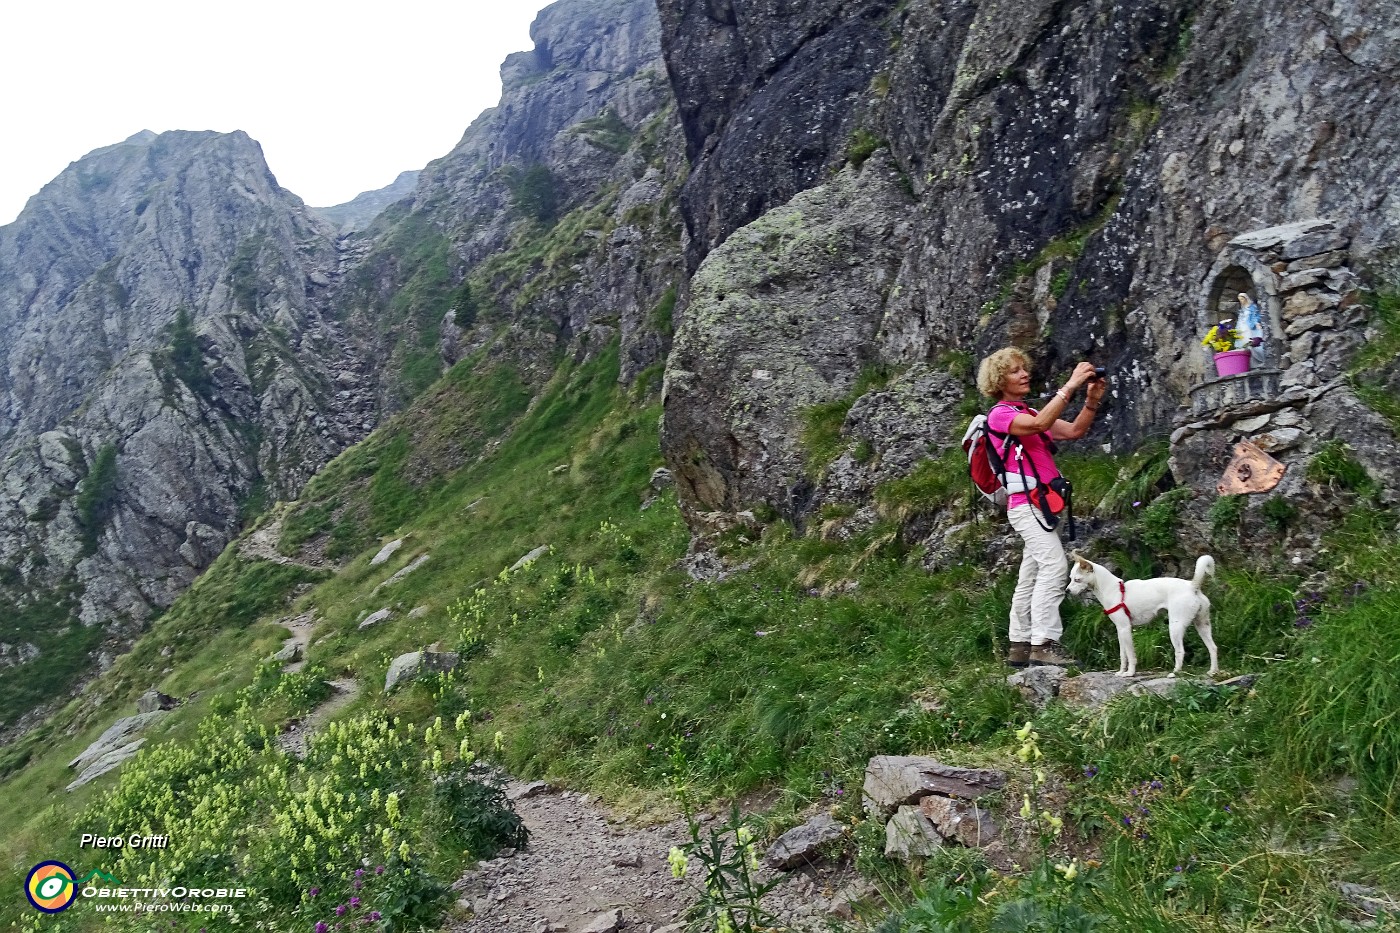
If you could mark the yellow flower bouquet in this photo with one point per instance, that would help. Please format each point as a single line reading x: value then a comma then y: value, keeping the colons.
x: 1221, y: 338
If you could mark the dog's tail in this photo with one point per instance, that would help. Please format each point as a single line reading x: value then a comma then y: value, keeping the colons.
x: 1205, y: 567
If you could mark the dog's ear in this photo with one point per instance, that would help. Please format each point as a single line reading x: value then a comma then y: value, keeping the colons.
x: 1082, y: 561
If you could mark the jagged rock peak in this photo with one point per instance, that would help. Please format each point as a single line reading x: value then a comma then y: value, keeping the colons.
x: 585, y: 35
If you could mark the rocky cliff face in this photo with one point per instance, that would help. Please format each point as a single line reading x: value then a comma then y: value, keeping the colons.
x: 1075, y: 176
x: 181, y: 340
x: 579, y: 164
x: 768, y: 94
x: 169, y: 357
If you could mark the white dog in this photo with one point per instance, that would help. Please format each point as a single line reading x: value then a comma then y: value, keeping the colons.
x: 1137, y: 602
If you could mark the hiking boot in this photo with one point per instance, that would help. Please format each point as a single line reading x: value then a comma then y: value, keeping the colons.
x: 1052, y: 653
x: 1018, y: 654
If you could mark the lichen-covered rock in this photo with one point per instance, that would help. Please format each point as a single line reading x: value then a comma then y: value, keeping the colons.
x: 777, y: 321
x: 769, y: 94
x: 1038, y: 685
x: 1089, y: 180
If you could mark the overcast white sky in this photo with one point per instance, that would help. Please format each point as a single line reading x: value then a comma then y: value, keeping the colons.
x: 342, y: 95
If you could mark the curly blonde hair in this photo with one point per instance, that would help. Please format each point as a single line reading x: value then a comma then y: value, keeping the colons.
x: 993, y: 370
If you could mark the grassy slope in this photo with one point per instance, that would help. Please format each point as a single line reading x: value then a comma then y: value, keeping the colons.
x: 604, y: 666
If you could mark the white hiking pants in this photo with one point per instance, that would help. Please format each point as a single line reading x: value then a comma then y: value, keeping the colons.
x: 1035, y: 607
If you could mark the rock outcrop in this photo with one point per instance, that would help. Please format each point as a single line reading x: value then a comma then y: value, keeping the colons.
x: 585, y: 129
x: 781, y: 318
x: 167, y: 354
x: 1076, y: 182
x: 182, y: 340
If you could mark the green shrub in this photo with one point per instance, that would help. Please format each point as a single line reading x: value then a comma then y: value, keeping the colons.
x: 1333, y: 467
x: 606, y: 131
x: 185, y: 358
x: 534, y: 194
x: 1224, y: 516
x: 98, y: 496
x: 862, y: 145
x: 1159, y: 520
x: 473, y: 815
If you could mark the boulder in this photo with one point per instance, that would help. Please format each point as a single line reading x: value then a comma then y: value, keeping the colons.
x: 960, y: 821
x: 374, y: 618
x: 801, y: 845
x: 415, y: 663
x: 118, y: 734
x: 153, y: 700
x: 661, y: 478
x: 289, y: 653
x: 530, y: 558
x: 417, y: 562
x: 526, y: 791
x: 1038, y: 685
x: 105, y: 762
x: 892, y: 781
x: 386, y: 552
x: 843, y: 902
x: 909, y: 834
x: 1093, y: 689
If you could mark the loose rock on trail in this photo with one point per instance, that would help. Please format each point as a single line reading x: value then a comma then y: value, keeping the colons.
x: 587, y: 870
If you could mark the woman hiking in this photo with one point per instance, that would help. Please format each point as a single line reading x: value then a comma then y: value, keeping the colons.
x: 1033, y: 484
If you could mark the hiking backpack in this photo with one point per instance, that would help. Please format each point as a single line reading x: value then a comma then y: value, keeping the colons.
x: 989, y: 461
x: 988, y: 453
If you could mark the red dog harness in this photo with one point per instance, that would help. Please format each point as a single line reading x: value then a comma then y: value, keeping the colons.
x: 1122, y: 603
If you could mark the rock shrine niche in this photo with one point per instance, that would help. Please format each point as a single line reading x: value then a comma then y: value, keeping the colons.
x: 1297, y: 273
x: 1254, y: 434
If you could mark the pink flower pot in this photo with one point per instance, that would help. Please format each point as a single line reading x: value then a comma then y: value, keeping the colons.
x: 1232, y: 362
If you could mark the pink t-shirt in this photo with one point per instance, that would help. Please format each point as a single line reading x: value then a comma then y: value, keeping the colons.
x: 1033, y: 446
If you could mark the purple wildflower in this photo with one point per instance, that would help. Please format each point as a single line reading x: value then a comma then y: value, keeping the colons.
x: 1090, y: 771
x: 354, y: 902
x: 379, y: 869
x: 1156, y: 785
x: 1127, y: 821
x: 314, y: 891
x: 374, y: 915
x: 359, y: 873
x: 321, y: 926
x: 358, y: 884
x: 340, y: 910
